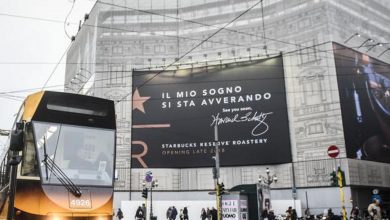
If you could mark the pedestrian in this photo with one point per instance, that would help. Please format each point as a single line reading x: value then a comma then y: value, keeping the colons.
x: 264, y: 215
x: 374, y: 210
x: 119, y: 214
x: 203, y: 214
x: 294, y: 215
x: 208, y: 212
x: 214, y: 214
x: 288, y: 213
x: 331, y: 215
x: 169, y: 212
x: 181, y: 215
x: 173, y: 213
x: 307, y: 213
x: 185, y: 213
x: 271, y: 215
x: 354, y: 213
x: 139, y: 214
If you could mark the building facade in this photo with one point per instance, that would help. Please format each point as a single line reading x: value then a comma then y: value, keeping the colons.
x: 122, y: 36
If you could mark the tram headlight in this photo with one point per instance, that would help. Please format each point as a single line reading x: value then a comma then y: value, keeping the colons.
x: 102, y: 218
x: 56, y: 218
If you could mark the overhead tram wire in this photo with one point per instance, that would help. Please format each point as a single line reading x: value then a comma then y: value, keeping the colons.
x: 67, y: 16
x: 240, y: 58
x: 11, y: 98
x: 270, y: 78
x: 61, y: 85
x: 33, y: 18
x: 275, y: 92
x: 177, y: 18
x: 289, y: 52
x: 50, y: 20
x: 196, y: 22
x: 32, y: 89
x: 127, y: 30
x: 203, y: 24
x: 274, y: 109
x: 56, y: 66
x: 218, y: 81
x: 189, y: 51
x: 171, y: 36
x: 208, y: 25
x: 144, y: 11
x: 121, y: 29
x: 66, y: 50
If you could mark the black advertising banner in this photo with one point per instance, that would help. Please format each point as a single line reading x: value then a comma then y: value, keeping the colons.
x: 175, y: 113
x: 364, y: 87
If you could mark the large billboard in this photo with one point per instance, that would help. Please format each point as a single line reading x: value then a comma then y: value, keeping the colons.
x: 364, y: 88
x: 175, y: 114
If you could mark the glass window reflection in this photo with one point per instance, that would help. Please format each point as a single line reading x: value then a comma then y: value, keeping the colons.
x: 84, y: 154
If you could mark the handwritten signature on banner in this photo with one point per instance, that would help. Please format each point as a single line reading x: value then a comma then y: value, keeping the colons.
x: 259, y: 117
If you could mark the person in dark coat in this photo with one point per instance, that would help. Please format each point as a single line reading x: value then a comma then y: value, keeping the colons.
x: 203, y: 214
x: 173, y: 213
x: 185, y: 213
x: 264, y: 215
x: 119, y: 214
x: 331, y: 215
x: 208, y: 213
x: 294, y: 215
x: 169, y: 213
x: 214, y: 214
x: 139, y: 214
x: 289, y: 213
x: 271, y: 215
x: 355, y: 213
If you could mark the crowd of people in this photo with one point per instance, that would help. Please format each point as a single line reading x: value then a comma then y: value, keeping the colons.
x: 208, y: 213
x: 373, y: 212
x: 172, y: 213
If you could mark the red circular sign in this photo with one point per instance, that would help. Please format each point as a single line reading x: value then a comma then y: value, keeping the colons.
x: 333, y: 151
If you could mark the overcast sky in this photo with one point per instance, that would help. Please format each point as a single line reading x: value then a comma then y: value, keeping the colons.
x: 33, y: 40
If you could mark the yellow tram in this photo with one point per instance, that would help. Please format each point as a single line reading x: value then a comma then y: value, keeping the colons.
x: 60, y: 160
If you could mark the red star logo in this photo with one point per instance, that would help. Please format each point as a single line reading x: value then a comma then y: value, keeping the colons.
x: 138, y: 101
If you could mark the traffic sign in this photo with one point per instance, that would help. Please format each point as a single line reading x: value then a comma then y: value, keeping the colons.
x: 333, y: 151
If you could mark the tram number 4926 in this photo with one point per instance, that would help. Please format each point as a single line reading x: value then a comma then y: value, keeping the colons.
x: 80, y: 203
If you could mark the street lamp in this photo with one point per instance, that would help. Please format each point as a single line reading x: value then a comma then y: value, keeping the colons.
x: 368, y: 40
x: 269, y: 179
x: 384, y: 52
x: 350, y: 38
x: 372, y: 46
x: 151, y: 185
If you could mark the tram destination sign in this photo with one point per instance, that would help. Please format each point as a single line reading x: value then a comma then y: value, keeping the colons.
x: 175, y: 112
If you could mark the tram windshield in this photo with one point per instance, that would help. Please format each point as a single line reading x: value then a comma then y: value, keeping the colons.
x: 84, y: 154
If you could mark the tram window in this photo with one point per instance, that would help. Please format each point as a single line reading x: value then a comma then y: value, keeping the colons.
x: 88, y: 156
x: 84, y: 154
x: 29, y: 163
